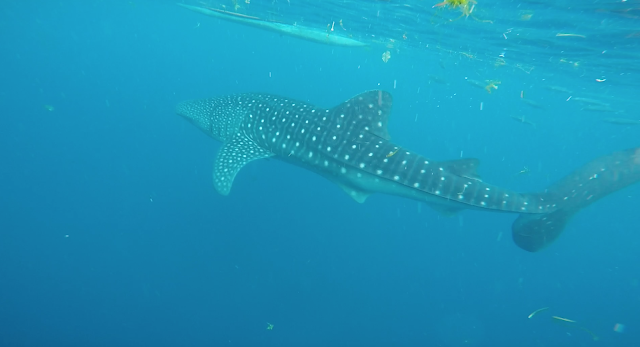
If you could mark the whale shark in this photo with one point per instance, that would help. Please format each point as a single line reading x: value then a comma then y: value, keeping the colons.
x: 350, y: 145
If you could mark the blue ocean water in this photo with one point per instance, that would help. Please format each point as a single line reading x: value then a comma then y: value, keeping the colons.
x: 111, y: 233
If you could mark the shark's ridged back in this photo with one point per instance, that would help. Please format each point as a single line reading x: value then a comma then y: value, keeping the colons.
x: 351, y: 140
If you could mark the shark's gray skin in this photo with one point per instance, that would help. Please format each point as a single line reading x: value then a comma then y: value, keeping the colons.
x: 349, y: 145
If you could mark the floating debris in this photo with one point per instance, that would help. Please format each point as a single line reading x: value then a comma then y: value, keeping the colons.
x: 440, y: 80
x: 559, y: 89
x: 563, y: 319
x: 621, y: 121
x: 570, y: 35
x: 540, y: 309
x: 525, y: 170
x: 522, y: 119
x: 492, y: 84
x: 386, y: 56
x: 390, y: 154
x: 595, y: 108
x: 466, y: 7
x: 532, y: 103
x: 588, y: 101
x: 487, y: 85
x: 526, y: 15
x: 573, y: 324
x: 568, y: 322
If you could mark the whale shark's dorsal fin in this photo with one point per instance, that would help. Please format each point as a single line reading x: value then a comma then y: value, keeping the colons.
x: 233, y: 155
x: 370, y: 108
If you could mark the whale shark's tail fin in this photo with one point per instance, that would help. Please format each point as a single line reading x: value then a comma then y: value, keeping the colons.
x: 581, y: 188
x: 533, y: 232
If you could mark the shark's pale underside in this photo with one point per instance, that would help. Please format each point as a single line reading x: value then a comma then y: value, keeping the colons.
x: 350, y: 146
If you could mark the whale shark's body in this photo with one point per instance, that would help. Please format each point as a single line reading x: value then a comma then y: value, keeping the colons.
x: 350, y: 145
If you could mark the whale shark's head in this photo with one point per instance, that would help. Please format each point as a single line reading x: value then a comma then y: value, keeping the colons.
x: 219, y: 118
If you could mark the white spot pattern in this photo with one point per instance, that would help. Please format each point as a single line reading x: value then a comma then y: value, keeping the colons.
x: 352, y: 136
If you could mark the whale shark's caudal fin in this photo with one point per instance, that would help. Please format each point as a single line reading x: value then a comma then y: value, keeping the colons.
x: 535, y: 232
x: 583, y: 187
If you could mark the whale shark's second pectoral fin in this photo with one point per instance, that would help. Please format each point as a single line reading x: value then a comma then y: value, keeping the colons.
x: 232, y: 157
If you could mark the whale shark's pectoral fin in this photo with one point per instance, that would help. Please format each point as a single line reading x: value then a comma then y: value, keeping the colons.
x: 232, y: 157
x: 357, y: 194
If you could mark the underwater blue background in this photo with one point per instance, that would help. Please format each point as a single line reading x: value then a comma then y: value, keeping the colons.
x: 111, y: 233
